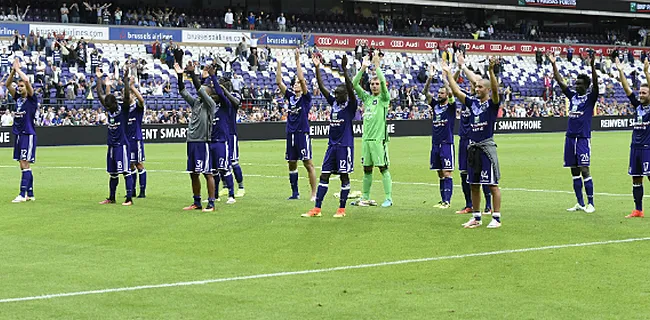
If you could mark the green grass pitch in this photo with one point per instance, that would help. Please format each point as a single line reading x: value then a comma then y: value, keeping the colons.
x: 65, y: 242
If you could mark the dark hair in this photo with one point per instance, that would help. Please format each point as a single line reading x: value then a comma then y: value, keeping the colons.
x: 584, y: 78
x: 645, y: 85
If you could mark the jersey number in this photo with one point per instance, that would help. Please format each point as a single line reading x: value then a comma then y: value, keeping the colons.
x: 23, y: 154
x: 645, y: 166
x: 447, y: 163
x: 584, y: 157
x: 199, y: 164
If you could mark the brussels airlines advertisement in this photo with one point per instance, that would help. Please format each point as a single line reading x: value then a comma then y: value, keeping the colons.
x: 283, y: 39
x: 7, y: 29
x: 145, y: 34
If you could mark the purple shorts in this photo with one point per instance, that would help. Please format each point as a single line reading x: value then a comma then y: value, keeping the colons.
x: 198, y: 157
x: 25, y: 148
x: 117, y: 159
x: 233, y: 144
x: 462, y: 153
x: 338, y: 159
x: 485, y: 176
x: 298, y: 147
x: 442, y: 157
x: 639, y: 162
x: 220, y: 156
x: 136, y: 151
x: 577, y: 152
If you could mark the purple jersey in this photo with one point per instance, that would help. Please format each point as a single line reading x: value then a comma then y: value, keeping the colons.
x: 221, y: 120
x: 465, y: 118
x: 232, y: 123
x: 134, y: 124
x: 483, y: 117
x: 443, y: 121
x: 641, y: 131
x: 117, y: 126
x: 298, y: 118
x: 341, y: 122
x: 25, y: 115
x: 581, y: 110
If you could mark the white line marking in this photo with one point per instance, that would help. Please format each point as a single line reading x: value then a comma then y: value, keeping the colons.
x: 354, y: 180
x: 343, y: 268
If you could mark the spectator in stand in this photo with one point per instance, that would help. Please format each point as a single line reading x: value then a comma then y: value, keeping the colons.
x: 229, y: 19
x: 156, y: 49
x: 380, y: 24
x: 251, y: 21
x: 64, y: 13
x: 7, y: 119
x: 74, y: 13
x: 490, y: 31
x: 4, y: 62
x: 282, y: 23
x: 118, y: 16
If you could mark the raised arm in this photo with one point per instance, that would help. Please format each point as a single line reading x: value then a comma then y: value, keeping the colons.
x: 301, y: 75
x: 348, y: 83
x: 455, y: 89
x: 356, y: 82
x: 100, y: 87
x: 622, y: 78
x: 137, y: 94
x: 494, y: 82
x: 9, y: 83
x: 234, y: 101
x: 196, y: 82
x: 594, y: 76
x: 127, y: 87
x: 556, y: 73
x: 278, y: 77
x: 319, y: 79
x: 646, y: 64
x: 471, y: 76
x: 385, y: 95
x: 427, y: 85
x: 181, y: 86
x: 23, y: 77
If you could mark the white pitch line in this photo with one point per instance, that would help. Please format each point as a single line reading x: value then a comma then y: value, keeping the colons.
x: 354, y: 180
x: 324, y: 270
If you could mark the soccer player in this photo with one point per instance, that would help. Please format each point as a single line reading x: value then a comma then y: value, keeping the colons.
x: 375, y: 134
x: 339, y: 158
x: 134, y: 134
x: 298, y: 140
x: 640, y: 147
x: 23, y: 130
x: 199, y: 128
x: 117, y: 158
x: 220, y: 135
x: 483, y: 162
x: 577, y: 145
x: 233, y: 142
x: 442, y: 138
x: 463, y: 130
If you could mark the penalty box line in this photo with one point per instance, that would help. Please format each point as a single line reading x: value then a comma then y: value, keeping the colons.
x: 354, y: 180
x: 314, y: 271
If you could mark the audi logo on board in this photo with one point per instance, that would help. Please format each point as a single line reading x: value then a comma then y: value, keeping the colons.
x: 397, y: 43
x: 325, y: 41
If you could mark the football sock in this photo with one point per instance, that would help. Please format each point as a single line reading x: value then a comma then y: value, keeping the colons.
x: 345, y: 192
x: 367, y: 184
x: 388, y: 184
x: 230, y: 184
x: 442, y: 189
x: 577, y: 187
x: 637, y: 192
x: 130, y: 187
x: 293, y: 179
x: 467, y: 191
x: 24, y: 181
x: 112, y: 186
x: 449, y: 189
x: 488, y: 196
x: 320, y: 194
x: 589, y: 189
x: 197, y: 201
x: 239, y: 176
x: 496, y: 216
x: 143, y: 180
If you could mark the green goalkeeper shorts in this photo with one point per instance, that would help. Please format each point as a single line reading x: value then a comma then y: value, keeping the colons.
x: 374, y: 153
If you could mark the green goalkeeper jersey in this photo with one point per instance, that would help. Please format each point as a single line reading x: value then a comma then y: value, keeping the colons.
x: 375, y: 109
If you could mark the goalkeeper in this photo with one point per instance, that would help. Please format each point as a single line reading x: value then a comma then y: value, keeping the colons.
x: 375, y: 132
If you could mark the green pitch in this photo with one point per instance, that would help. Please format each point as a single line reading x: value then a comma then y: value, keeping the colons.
x: 65, y: 242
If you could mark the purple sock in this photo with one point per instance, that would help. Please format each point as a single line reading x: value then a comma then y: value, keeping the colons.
x: 467, y: 190
x: 449, y: 189
x: 112, y: 186
x: 320, y: 194
x: 143, y: 180
x: 442, y: 189
x: 488, y: 196
x: 128, y: 179
x: 637, y: 192
x: 239, y: 176
x: 345, y: 192
x: 589, y: 189
x: 577, y: 187
x: 24, y: 181
x: 293, y: 179
x: 230, y: 184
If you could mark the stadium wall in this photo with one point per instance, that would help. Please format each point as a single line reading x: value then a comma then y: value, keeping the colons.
x: 96, y: 135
